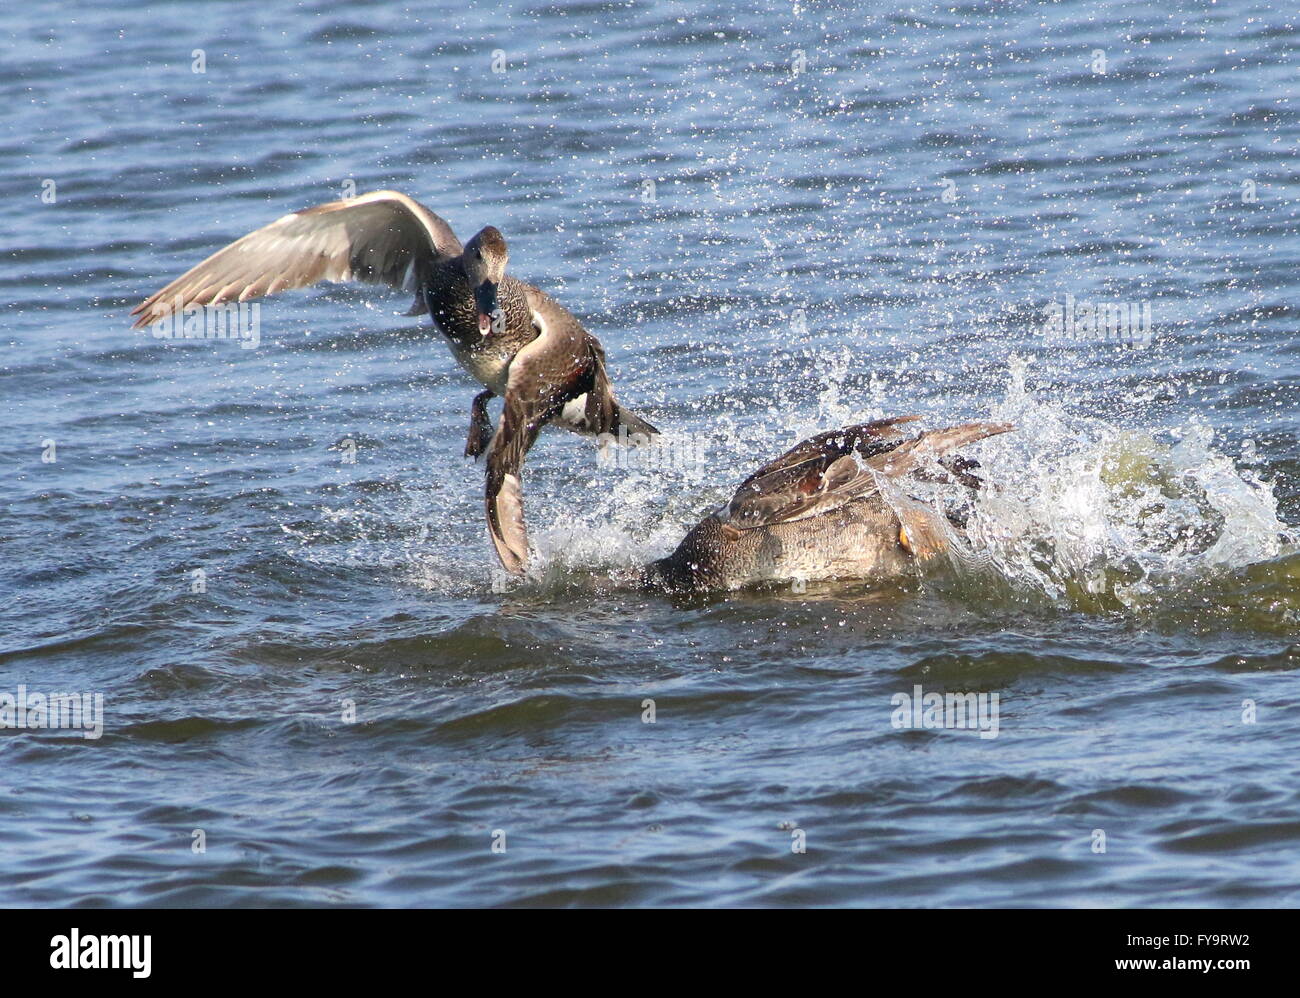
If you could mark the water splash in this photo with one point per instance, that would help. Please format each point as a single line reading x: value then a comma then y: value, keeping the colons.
x: 1079, y: 511
x: 1092, y: 514
x: 1088, y: 514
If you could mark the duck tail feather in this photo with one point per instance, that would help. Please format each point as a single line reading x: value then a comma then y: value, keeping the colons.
x: 634, y: 423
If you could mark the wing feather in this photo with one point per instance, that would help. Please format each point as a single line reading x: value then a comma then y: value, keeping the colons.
x: 383, y: 237
x: 823, y: 482
x: 545, y: 374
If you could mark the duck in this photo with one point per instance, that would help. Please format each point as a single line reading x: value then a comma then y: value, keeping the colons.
x: 513, y: 338
x: 831, y: 507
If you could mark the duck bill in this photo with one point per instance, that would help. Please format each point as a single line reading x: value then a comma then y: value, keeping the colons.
x: 489, y: 311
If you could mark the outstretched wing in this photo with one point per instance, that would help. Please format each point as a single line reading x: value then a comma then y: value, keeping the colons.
x: 383, y: 237
x: 832, y: 469
x: 860, y: 437
x: 806, y: 469
x: 557, y: 366
x: 911, y: 454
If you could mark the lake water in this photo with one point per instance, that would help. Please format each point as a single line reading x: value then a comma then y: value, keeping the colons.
x: 778, y: 219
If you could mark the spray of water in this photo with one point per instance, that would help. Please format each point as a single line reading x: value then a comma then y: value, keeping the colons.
x: 1087, y: 512
x: 1077, y: 510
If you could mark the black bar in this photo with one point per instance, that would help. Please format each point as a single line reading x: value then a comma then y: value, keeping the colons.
x: 333, y: 947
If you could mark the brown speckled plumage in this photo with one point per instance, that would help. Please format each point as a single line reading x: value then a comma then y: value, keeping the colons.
x: 533, y: 352
x: 826, y: 509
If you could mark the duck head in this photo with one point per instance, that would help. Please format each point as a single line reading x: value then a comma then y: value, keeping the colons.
x: 484, y: 260
x: 702, y: 561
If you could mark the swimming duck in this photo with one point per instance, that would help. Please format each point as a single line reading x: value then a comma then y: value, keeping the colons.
x: 827, y: 508
x: 515, y: 339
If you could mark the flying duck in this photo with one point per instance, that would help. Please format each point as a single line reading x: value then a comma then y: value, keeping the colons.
x: 515, y: 339
x: 828, y: 508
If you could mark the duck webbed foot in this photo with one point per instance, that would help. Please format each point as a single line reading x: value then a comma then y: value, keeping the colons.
x: 480, y: 425
x: 920, y: 533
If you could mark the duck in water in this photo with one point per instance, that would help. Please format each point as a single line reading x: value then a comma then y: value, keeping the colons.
x: 516, y: 340
x: 829, y: 508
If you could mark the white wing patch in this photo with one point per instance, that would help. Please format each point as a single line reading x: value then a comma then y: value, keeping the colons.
x: 574, y: 414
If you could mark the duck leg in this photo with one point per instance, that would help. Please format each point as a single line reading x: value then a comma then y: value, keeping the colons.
x: 480, y: 425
